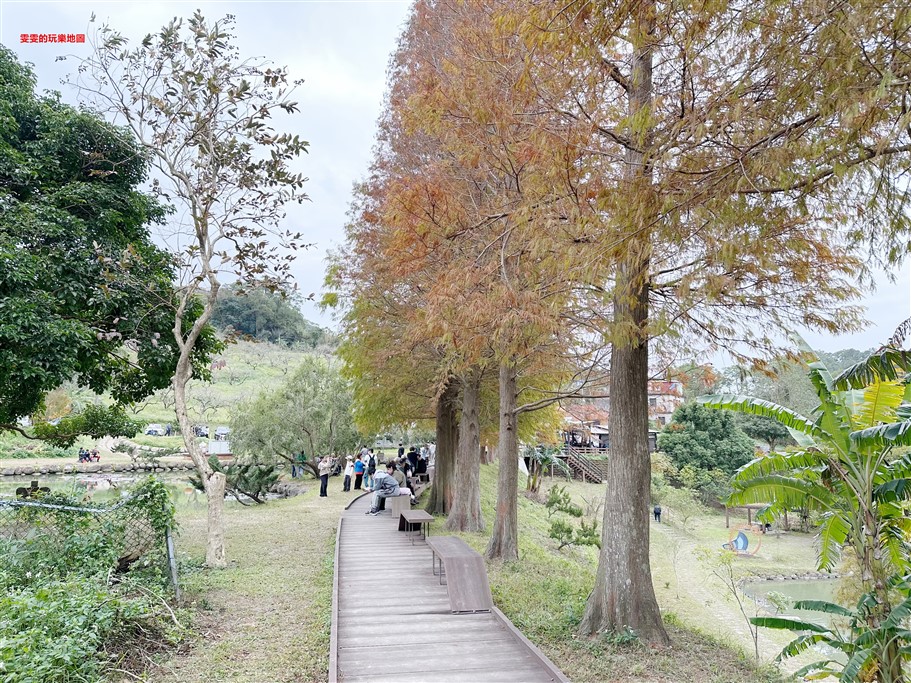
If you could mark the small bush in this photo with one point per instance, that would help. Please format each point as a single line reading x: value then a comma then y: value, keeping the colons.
x: 62, y: 607
x: 558, y: 500
x: 567, y: 534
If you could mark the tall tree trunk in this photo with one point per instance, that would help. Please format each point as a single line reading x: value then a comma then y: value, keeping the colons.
x: 213, y: 482
x: 504, y: 541
x: 447, y: 432
x: 465, y: 512
x: 623, y: 596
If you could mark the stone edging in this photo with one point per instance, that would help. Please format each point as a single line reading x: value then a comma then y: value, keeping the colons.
x: 805, y: 576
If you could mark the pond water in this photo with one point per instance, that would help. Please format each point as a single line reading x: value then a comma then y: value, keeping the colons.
x: 820, y: 589
x: 107, y: 487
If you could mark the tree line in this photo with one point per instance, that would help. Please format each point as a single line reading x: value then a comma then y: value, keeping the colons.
x: 560, y: 192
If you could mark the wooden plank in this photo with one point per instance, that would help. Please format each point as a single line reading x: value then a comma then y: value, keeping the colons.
x: 392, y: 637
x: 442, y: 646
x: 333, y: 630
x: 489, y: 675
x: 432, y: 667
x: 424, y: 659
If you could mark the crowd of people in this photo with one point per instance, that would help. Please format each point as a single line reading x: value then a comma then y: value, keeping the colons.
x: 362, y: 471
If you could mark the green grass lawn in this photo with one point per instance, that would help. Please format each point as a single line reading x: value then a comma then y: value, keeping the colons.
x: 266, y: 617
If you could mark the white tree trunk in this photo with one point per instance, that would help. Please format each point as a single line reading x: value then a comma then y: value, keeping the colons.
x: 213, y: 482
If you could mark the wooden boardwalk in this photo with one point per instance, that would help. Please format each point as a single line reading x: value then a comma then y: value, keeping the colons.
x: 391, y: 619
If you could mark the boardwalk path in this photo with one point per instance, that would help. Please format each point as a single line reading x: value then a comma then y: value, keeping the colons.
x: 391, y: 619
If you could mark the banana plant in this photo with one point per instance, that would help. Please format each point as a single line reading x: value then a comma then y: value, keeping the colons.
x: 844, y: 467
x: 863, y: 648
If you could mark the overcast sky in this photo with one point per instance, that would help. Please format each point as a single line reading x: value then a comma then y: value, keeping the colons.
x: 341, y: 50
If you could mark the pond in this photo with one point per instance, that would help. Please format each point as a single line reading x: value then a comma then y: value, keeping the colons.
x: 820, y: 589
x: 107, y: 487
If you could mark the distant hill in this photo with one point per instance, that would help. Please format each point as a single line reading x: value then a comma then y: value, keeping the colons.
x: 261, y: 315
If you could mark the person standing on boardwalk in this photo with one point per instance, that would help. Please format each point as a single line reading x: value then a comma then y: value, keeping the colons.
x: 413, y: 458
x: 349, y: 470
x: 359, y: 468
x: 657, y: 513
x: 325, y: 467
x: 371, y: 469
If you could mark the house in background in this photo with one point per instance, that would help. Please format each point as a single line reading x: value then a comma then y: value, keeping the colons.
x: 663, y: 399
x: 585, y: 419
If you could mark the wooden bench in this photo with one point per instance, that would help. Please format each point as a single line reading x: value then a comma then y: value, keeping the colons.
x: 415, y: 520
x: 465, y: 572
x: 398, y: 505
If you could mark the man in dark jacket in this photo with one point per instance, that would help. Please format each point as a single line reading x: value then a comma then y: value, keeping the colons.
x: 413, y: 458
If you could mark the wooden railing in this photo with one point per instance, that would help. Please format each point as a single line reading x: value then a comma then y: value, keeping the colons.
x: 583, y: 467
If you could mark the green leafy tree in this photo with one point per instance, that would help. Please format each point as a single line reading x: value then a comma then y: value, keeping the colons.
x: 846, y: 468
x: 84, y: 292
x: 204, y: 117
x: 682, y: 504
x: 265, y: 316
x: 706, y: 439
x: 713, y: 486
x: 311, y: 413
x: 764, y: 429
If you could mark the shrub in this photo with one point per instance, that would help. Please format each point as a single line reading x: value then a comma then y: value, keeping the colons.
x: 62, y: 608
x: 567, y: 534
x: 558, y: 500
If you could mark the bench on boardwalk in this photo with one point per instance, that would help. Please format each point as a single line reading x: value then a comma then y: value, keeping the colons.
x: 415, y: 520
x: 398, y: 505
x: 465, y: 572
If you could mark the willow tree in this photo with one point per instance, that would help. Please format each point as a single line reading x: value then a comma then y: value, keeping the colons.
x: 204, y: 119
x: 741, y: 157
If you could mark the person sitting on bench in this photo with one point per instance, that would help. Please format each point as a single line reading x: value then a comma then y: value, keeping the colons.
x: 385, y: 486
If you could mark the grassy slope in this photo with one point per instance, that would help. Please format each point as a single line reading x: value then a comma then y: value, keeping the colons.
x: 544, y: 595
x: 251, y: 368
x: 266, y: 617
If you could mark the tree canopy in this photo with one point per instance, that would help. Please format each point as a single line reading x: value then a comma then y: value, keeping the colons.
x: 309, y: 413
x: 84, y: 293
x: 707, y: 439
x: 265, y: 316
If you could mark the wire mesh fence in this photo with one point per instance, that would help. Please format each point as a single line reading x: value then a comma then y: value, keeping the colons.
x: 125, y: 525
